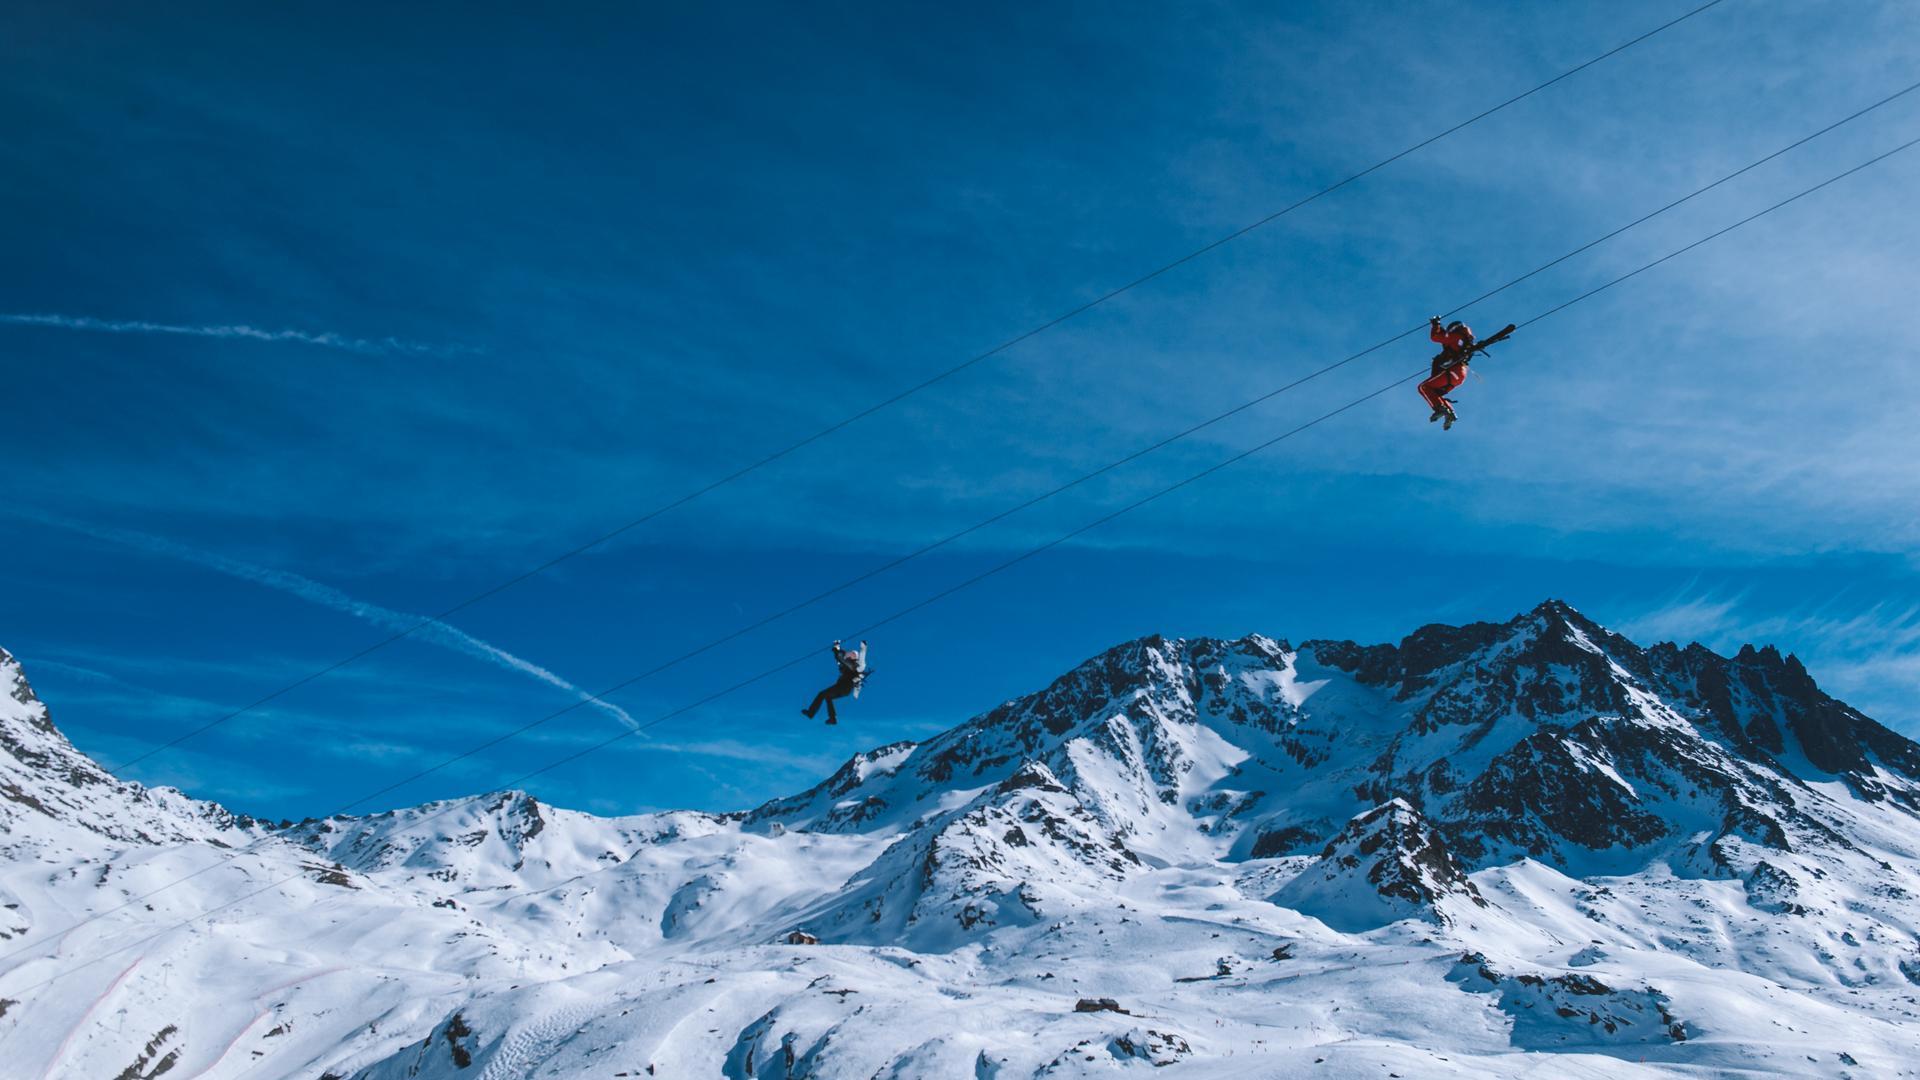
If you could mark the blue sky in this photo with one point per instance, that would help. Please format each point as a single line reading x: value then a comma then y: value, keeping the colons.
x: 465, y: 287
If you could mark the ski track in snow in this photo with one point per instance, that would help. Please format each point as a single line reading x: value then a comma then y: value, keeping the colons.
x: 533, y: 1043
x: 86, y: 1014
x: 1552, y: 854
x: 265, y: 1011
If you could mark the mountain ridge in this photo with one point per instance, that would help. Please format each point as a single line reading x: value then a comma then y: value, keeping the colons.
x: 1204, y: 827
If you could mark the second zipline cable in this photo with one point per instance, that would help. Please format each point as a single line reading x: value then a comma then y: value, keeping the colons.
x: 898, y: 396
x: 1008, y: 564
x: 1136, y: 455
x: 1044, y: 496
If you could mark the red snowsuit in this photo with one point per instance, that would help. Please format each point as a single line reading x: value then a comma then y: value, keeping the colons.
x: 1449, y: 368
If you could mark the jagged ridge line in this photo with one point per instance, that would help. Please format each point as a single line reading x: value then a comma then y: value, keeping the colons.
x: 1136, y: 455
x: 663, y: 718
x: 509, y: 735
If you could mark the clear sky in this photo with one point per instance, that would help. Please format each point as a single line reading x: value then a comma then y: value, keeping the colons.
x: 314, y: 317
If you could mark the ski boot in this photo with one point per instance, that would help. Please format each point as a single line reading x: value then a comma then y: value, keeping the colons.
x: 1451, y: 416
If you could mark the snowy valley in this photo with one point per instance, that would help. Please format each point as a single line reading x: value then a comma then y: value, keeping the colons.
x: 1530, y: 848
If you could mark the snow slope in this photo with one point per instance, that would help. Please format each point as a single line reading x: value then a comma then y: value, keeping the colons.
x: 1530, y: 848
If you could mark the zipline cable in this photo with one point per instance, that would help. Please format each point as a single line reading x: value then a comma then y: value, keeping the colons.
x: 1119, y: 462
x: 1009, y: 512
x: 893, y: 400
x: 812, y: 654
x: 1002, y: 515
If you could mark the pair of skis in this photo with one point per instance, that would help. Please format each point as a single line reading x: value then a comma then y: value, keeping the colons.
x: 861, y: 671
x: 1499, y: 336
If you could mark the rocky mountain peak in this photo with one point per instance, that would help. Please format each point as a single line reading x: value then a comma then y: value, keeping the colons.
x: 54, y: 796
x: 1551, y: 633
x: 1580, y: 816
x: 1543, y: 736
x: 1564, y: 614
x: 1388, y: 863
x: 27, y: 707
x: 1766, y: 704
x: 1404, y: 765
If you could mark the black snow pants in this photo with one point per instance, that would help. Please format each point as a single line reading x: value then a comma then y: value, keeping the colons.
x: 827, y: 697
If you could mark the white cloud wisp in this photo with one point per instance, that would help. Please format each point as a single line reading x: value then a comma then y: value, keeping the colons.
x: 324, y: 339
x: 327, y: 596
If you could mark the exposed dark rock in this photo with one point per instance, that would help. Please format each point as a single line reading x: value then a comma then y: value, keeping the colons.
x: 1552, y: 786
x: 1391, y: 853
x: 24, y: 798
x: 850, y: 775
x: 1156, y: 1047
x: 1770, y: 888
x: 18, y: 689
x: 1031, y: 775
x: 1373, y: 664
x: 1572, y: 1009
x: 854, y: 814
x: 329, y: 875
x: 151, y: 1062
x: 1911, y: 969
x: 457, y: 1031
x: 1281, y: 841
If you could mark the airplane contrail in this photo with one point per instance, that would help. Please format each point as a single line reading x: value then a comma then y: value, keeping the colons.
x: 324, y: 339
x: 327, y: 596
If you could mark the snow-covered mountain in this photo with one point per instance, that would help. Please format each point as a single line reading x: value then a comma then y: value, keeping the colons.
x: 44, y: 781
x: 1530, y: 848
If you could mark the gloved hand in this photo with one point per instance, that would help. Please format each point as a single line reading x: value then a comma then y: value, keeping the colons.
x: 1434, y: 319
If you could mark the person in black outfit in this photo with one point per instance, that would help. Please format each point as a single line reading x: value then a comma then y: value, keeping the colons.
x: 853, y: 672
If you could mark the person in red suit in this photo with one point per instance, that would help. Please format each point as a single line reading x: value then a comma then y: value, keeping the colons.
x: 1449, y: 368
